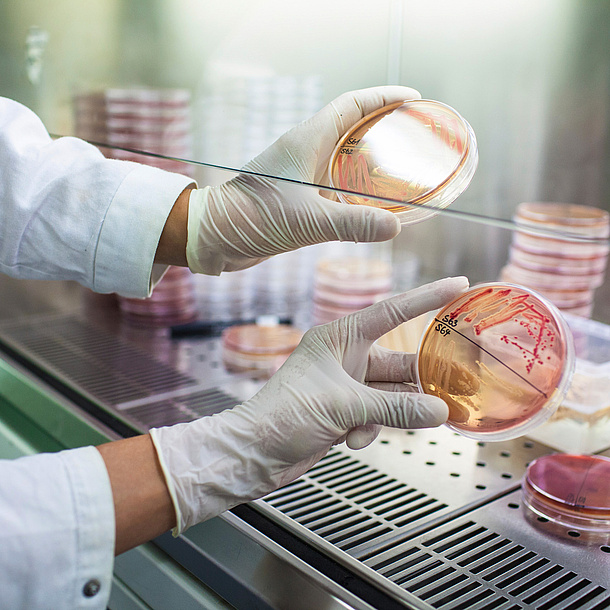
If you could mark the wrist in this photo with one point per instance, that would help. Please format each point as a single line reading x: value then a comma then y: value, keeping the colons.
x: 171, y: 249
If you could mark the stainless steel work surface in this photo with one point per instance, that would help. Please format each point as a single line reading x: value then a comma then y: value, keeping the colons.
x: 431, y: 518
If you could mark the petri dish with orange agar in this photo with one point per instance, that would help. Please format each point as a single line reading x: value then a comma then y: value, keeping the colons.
x: 258, y: 349
x: 419, y: 152
x: 501, y: 357
x: 569, y: 494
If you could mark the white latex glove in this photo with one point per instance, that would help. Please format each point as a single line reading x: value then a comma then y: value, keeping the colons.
x: 250, y: 218
x: 310, y: 404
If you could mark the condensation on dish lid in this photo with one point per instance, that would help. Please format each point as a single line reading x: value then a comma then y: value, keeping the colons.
x: 501, y: 357
x: 418, y: 152
x: 569, y: 495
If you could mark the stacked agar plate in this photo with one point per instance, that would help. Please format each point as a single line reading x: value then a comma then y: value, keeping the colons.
x: 560, y: 251
x: 153, y: 127
x: 344, y: 285
x: 156, y: 121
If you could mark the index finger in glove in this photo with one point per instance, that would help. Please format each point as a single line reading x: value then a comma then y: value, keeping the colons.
x: 405, y: 409
x: 386, y: 365
x: 382, y: 317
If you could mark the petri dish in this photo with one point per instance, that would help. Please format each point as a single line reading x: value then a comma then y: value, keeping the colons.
x: 569, y: 494
x: 582, y: 220
x: 501, y: 356
x: 258, y: 348
x: 171, y: 302
x: 344, y: 285
x: 419, y: 152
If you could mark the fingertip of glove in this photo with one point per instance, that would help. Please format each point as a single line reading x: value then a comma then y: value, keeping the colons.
x: 381, y: 225
x: 362, y: 436
x: 432, y: 411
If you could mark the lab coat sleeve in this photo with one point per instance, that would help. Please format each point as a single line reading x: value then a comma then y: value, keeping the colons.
x: 67, y: 212
x: 56, y: 531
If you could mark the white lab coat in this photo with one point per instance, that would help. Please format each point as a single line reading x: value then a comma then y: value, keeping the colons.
x: 66, y: 212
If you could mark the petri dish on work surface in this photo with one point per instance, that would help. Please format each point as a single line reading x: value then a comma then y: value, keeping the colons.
x: 501, y: 357
x: 419, y: 152
x: 569, y: 494
x: 258, y: 349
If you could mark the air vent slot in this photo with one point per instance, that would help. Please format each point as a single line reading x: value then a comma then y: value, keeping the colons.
x: 468, y: 566
x: 106, y: 367
x: 180, y: 408
x: 350, y: 504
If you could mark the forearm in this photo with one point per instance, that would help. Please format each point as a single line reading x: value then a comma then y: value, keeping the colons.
x: 142, y: 504
x: 172, y: 243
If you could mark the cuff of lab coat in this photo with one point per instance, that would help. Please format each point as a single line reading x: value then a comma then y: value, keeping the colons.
x: 94, y: 512
x: 131, y: 230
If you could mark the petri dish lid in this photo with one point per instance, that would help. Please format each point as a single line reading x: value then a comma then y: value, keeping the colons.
x: 262, y: 339
x: 501, y: 356
x: 420, y: 152
x: 571, y: 490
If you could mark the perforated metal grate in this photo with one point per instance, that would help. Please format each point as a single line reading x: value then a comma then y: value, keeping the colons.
x: 106, y: 367
x: 349, y: 503
x: 467, y: 564
x: 180, y: 408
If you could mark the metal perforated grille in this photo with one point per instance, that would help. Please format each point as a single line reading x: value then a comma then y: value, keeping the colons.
x: 468, y: 565
x: 104, y: 366
x: 179, y: 409
x: 349, y: 503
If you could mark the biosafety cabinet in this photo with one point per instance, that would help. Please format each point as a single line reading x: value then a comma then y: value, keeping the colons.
x: 421, y: 518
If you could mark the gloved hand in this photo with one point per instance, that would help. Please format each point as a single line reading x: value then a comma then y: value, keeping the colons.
x: 252, y: 217
x: 310, y: 404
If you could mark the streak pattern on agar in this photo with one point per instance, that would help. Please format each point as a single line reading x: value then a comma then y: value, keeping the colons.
x: 500, y: 357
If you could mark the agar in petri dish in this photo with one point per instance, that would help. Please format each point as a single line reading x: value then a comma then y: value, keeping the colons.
x: 257, y: 348
x: 501, y: 357
x: 418, y: 152
x: 569, y: 494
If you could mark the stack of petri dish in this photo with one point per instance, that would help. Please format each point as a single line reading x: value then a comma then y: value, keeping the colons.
x: 152, y: 127
x: 156, y: 121
x: 344, y: 285
x: 172, y: 301
x: 258, y: 349
x: 560, y: 252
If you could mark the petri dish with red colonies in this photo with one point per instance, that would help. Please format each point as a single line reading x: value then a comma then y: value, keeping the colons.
x: 419, y: 152
x: 501, y: 357
x: 569, y: 495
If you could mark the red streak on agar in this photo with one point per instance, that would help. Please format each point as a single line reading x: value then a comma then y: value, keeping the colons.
x: 468, y: 303
x: 358, y: 174
x: 448, y: 129
x: 534, y: 322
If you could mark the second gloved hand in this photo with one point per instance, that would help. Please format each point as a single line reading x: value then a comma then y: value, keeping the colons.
x: 336, y: 381
x: 255, y: 216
